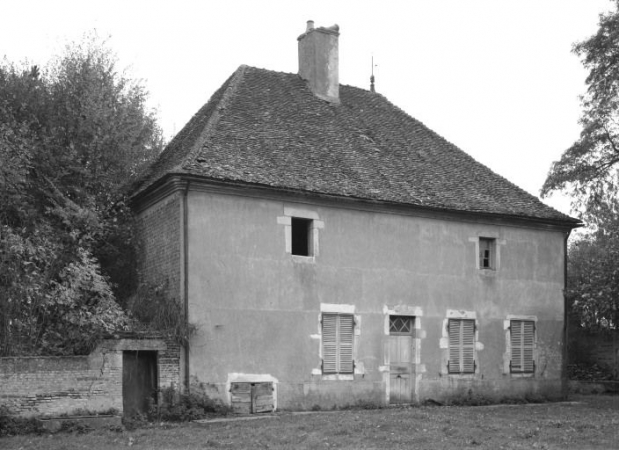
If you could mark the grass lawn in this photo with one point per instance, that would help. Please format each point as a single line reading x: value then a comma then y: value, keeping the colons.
x: 592, y: 423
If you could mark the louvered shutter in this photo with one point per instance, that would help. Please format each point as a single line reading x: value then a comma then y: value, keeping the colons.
x: 522, y: 340
x: 346, y: 324
x: 329, y: 343
x: 337, y: 343
x: 461, y: 346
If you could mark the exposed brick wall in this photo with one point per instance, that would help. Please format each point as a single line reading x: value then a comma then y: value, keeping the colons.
x: 160, y: 246
x: 56, y: 385
x: 169, y: 365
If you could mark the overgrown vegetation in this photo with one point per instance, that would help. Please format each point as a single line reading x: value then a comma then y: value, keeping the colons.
x: 154, y: 309
x: 593, y: 283
x: 73, y: 136
x: 11, y: 425
x: 176, y: 406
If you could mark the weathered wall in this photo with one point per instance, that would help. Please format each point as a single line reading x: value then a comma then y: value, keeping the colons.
x: 257, y: 307
x: 55, y: 385
x: 160, y: 246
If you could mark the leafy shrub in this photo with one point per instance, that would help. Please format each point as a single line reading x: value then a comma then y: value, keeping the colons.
x: 182, y: 407
x: 154, y: 309
x: 74, y: 426
x: 136, y: 420
x: 11, y: 425
x: 470, y: 399
x: 93, y: 412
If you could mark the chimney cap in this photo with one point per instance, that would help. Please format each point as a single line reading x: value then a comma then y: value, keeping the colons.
x: 333, y: 29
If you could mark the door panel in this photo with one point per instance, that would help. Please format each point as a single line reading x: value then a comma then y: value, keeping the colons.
x: 400, y: 388
x: 400, y: 349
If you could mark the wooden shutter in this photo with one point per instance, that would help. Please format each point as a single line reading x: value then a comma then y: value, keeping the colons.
x: 329, y: 343
x: 346, y: 325
x: 522, y: 338
x: 337, y: 343
x: 461, y: 346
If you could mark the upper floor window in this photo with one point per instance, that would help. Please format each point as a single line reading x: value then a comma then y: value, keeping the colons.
x: 487, y: 253
x: 301, y: 236
x: 301, y: 232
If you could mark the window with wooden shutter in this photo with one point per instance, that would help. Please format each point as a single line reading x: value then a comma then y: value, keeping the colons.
x: 461, y: 346
x: 522, y: 340
x: 337, y: 343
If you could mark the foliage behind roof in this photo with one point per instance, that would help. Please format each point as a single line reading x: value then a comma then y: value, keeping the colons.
x: 267, y: 128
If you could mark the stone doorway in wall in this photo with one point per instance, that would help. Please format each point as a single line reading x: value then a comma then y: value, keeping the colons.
x: 401, y: 358
x: 139, y: 381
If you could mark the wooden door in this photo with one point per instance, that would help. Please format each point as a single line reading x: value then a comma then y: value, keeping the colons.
x: 139, y: 381
x: 262, y: 397
x: 401, y: 359
x: 252, y: 398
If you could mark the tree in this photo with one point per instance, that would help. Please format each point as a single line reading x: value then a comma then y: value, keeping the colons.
x: 593, y: 283
x: 73, y: 136
x: 588, y: 172
x: 588, y: 169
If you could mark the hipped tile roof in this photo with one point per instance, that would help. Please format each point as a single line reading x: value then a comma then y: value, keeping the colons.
x: 267, y: 128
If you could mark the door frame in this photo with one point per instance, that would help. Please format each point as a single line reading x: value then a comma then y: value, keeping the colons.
x: 151, y: 358
x: 419, y: 334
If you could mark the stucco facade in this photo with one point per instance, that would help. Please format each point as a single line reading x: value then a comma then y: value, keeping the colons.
x: 257, y: 308
x: 330, y: 250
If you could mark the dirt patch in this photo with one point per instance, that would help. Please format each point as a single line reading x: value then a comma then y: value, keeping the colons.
x: 585, y: 422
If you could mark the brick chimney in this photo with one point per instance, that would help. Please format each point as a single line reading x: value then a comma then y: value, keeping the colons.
x: 318, y: 61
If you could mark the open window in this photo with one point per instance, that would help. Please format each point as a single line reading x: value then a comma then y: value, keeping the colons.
x: 487, y: 253
x: 301, y: 236
x: 301, y: 232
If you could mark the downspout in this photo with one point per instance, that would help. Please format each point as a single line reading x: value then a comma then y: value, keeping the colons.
x: 186, y: 283
x: 564, y: 378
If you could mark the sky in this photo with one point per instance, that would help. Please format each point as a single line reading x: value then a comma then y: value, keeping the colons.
x: 497, y: 78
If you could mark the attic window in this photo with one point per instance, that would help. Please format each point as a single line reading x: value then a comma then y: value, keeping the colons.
x: 487, y: 253
x: 301, y: 233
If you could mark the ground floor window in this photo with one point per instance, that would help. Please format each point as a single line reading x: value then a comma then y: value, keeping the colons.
x: 461, y: 346
x: 337, y: 343
x: 522, y: 341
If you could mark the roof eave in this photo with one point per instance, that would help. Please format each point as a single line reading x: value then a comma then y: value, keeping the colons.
x: 172, y: 182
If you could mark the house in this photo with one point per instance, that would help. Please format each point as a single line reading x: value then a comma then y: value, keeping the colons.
x: 332, y: 250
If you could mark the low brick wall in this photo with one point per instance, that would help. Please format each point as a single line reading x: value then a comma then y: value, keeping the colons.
x: 55, y: 385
